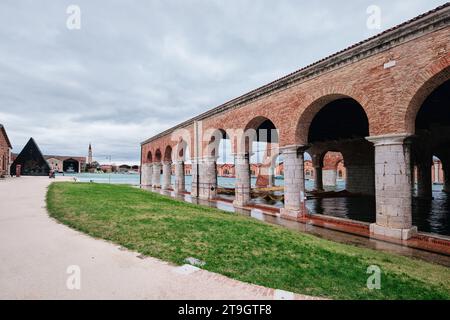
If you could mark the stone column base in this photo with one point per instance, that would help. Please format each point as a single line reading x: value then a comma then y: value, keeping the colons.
x: 400, y: 234
x: 240, y: 204
x: 291, y: 214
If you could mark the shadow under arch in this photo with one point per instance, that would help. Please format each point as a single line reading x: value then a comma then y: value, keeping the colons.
x: 425, y: 88
x: 302, y: 132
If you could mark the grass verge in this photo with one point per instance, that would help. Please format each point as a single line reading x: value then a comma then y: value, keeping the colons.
x: 240, y: 247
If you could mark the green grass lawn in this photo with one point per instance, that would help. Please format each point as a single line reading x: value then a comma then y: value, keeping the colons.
x: 240, y: 247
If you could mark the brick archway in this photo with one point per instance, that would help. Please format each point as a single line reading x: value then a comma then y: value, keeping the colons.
x: 211, y: 141
x: 421, y: 87
x: 168, y: 154
x: 158, y: 155
x: 315, y: 104
x: 150, y: 157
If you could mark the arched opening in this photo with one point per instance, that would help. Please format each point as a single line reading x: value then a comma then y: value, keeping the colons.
x: 158, y: 156
x: 71, y: 166
x: 168, y: 154
x: 167, y: 178
x: 256, y: 172
x: 342, y: 119
x: 430, y: 158
x: 263, y: 152
x: 182, y: 178
x: 332, y: 165
x: 149, y: 157
x: 309, y: 171
x: 219, y: 149
x: 344, y: 180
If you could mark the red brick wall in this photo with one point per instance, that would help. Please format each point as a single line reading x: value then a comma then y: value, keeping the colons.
x: 4, y: 154
x: 390, y: 97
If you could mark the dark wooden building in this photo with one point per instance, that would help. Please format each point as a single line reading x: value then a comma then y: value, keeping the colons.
x: 31, y: 160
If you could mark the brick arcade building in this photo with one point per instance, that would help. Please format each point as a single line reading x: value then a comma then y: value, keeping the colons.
x: 66, y: 163
x: 382, y: 104
x: 5, y: 152
x: 59, y: 164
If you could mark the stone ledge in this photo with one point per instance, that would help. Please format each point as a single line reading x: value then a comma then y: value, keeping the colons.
x: 290, y: 214
x: 401, y: 234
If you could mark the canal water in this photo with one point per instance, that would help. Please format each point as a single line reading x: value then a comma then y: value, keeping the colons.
x: 431, y: 216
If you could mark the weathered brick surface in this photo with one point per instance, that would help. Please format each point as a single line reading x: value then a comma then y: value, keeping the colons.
x: 419, y: 59
x: 390, y: 97
x: 5, y: 152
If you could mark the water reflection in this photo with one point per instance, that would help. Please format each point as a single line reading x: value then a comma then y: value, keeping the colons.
x: 430, y: 216
x: 433, y: 216
x: 354, y: 208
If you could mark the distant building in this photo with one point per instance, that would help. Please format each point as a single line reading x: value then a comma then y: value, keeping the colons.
x: 55, y: 164
x: 107, y: 168
x: 31, y: 161
x: 226, y: 170
x: 67, y: 164
x: 124, y: 168
x: 5, y: 152
x: 309, y: 170
x: 437, y: 173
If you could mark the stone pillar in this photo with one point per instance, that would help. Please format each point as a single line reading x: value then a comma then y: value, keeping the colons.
x: 294, y: 182
x: 413, y: 178
x: 195, y: 186
x: 156, y: 180
x: 243, y: 178
x: 393, y: 187
x: 208, y: 178
x: 329, y: 177
x: 271, y: 176
x: 167, y: 175
x: 180, y: 184
x: 424, y: 183
x: 318, y: 178
x: 146, y: 174
x: 436, y: 172
x: 446, y: 169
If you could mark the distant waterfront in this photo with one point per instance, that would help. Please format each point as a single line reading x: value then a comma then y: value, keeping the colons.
x: 133, y: 179
x: 429, y: 216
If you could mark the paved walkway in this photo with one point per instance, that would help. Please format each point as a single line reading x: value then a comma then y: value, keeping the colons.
x: 36, y: 251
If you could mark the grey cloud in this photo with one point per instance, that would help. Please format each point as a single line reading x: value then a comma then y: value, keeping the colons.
x: 138, y: 67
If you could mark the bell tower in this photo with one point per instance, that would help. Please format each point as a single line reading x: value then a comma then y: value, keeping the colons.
x: 90, y: 154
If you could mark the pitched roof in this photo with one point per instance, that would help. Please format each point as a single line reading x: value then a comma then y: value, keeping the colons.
x: 31, y: 151
x: 2, y: 128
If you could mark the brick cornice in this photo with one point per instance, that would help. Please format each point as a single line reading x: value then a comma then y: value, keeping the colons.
x: 427, y: 23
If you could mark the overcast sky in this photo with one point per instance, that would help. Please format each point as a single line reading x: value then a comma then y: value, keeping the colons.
x: 136, y: 68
